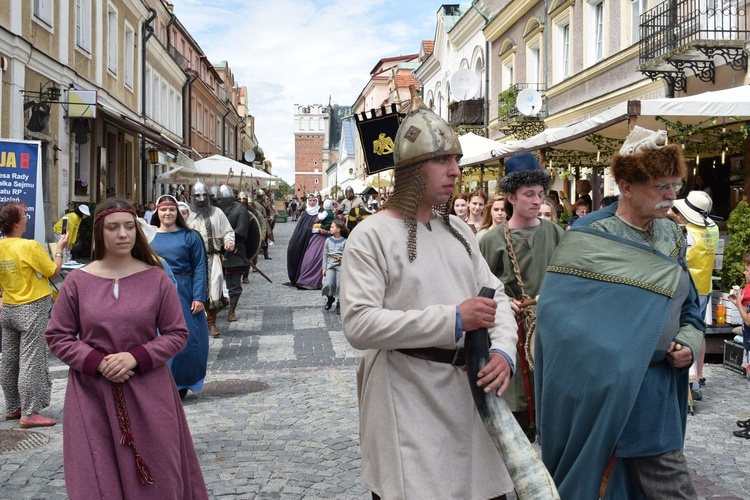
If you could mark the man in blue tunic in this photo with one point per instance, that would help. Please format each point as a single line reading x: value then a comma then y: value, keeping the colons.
x: 618, y: 326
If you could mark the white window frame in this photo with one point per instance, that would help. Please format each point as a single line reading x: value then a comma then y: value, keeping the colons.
x: 44, y: 12
x: 112, y: 39
x: 561, y: 52
x: 148, y: 98
x: 164, y: 101
x: 128, y: 54
x: 595, y: 32
x: 83, y: 25
x: 508, y: 77
x: 179, y: 112
x: 171, y: 122
x: 534, y: 60
x: 199, y: 118
x: 637, y: 8
x: 155, y: 86
x: 599, y: 24
x: 218, y: 132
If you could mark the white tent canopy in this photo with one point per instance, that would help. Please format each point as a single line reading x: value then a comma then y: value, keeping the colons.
x: 616, y: 122
x: 479, y: 148
x: 214, y: 170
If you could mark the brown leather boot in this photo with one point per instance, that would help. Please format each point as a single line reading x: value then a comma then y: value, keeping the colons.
x: 211, y: 320
x: 232, y: 306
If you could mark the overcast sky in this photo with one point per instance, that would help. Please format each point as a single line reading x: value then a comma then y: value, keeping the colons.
x: 289, y: 52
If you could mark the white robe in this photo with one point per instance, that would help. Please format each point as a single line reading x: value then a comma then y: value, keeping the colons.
x: 223, y: 235
x: 420, y: 433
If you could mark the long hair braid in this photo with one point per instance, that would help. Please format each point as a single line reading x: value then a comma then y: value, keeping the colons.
x: 409, y: 182
x: 444, y: 212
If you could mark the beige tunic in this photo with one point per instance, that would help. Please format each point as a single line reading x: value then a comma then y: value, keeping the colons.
x: 420, y: 434
x: 223, y: 235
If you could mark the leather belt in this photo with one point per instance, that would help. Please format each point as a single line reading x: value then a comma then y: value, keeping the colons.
x: 451, y: 356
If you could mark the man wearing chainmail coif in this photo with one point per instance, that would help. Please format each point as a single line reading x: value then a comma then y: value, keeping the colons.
x: 411, y: 274
x: 518, y: 253
x: 217, y: 232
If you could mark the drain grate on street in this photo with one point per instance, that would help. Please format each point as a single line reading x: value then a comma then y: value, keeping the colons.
x: 232, y: 387
x: 12, y: 440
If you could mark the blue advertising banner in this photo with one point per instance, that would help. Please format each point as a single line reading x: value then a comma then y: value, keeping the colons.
x: 20, y: 175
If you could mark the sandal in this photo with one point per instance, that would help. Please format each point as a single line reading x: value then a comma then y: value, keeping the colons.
x: 743, y: 423
x: 37, y: 421
x: 744, y: 433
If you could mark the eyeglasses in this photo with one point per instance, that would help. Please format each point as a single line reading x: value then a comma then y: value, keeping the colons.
x: 166, y: 197
x: 664, y: 187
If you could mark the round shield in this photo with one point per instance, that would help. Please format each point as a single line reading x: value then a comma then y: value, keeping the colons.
x: 252, y: 243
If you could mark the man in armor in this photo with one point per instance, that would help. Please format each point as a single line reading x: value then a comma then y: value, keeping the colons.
x: 410, y: 319
x: 259, y: 215
x: 354, y: 208
x: 217, y: 234
x: 262, y: 201
x: 235, y: 263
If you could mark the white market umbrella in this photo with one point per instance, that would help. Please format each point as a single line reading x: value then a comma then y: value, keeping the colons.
x: 215, y: 170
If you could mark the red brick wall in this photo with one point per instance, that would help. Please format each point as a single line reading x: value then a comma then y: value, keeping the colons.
x: 308, y: 155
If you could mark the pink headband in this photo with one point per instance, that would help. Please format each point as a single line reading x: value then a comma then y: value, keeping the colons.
x: 104, y: 213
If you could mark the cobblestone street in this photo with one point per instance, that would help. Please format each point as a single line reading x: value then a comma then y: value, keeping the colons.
x: 278, y: 416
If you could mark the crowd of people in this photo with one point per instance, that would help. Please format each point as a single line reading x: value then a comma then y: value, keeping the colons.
x: 133, y: 325
x: 610, y: 421
x: 405, y: 273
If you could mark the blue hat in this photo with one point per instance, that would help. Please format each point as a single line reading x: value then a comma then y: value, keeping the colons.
x: 523, y: 169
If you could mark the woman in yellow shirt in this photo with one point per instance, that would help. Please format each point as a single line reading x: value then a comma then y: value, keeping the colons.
x: 24, y: 271
x: 74, y: 222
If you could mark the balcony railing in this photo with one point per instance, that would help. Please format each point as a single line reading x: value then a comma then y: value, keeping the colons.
x: 181, y: 60
x: 677, y: 25
x: 511, y: 120
x: 468, y: 112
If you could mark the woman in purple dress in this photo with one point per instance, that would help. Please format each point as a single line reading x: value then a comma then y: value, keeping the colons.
x: 305, y: 250
x: 124, y: 430
x: 185, y: 253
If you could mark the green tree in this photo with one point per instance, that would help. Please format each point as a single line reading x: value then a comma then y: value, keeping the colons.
x: 733, y: 267
x: 282, y: 190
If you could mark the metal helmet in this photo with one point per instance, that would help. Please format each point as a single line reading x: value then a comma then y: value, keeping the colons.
x: 242, y: 196
x: 225, y: 192
x: 215, y: 191
x: 423, y: 135
x: 349, y: 190
x: 200, y: 188
x: 260, y: 192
